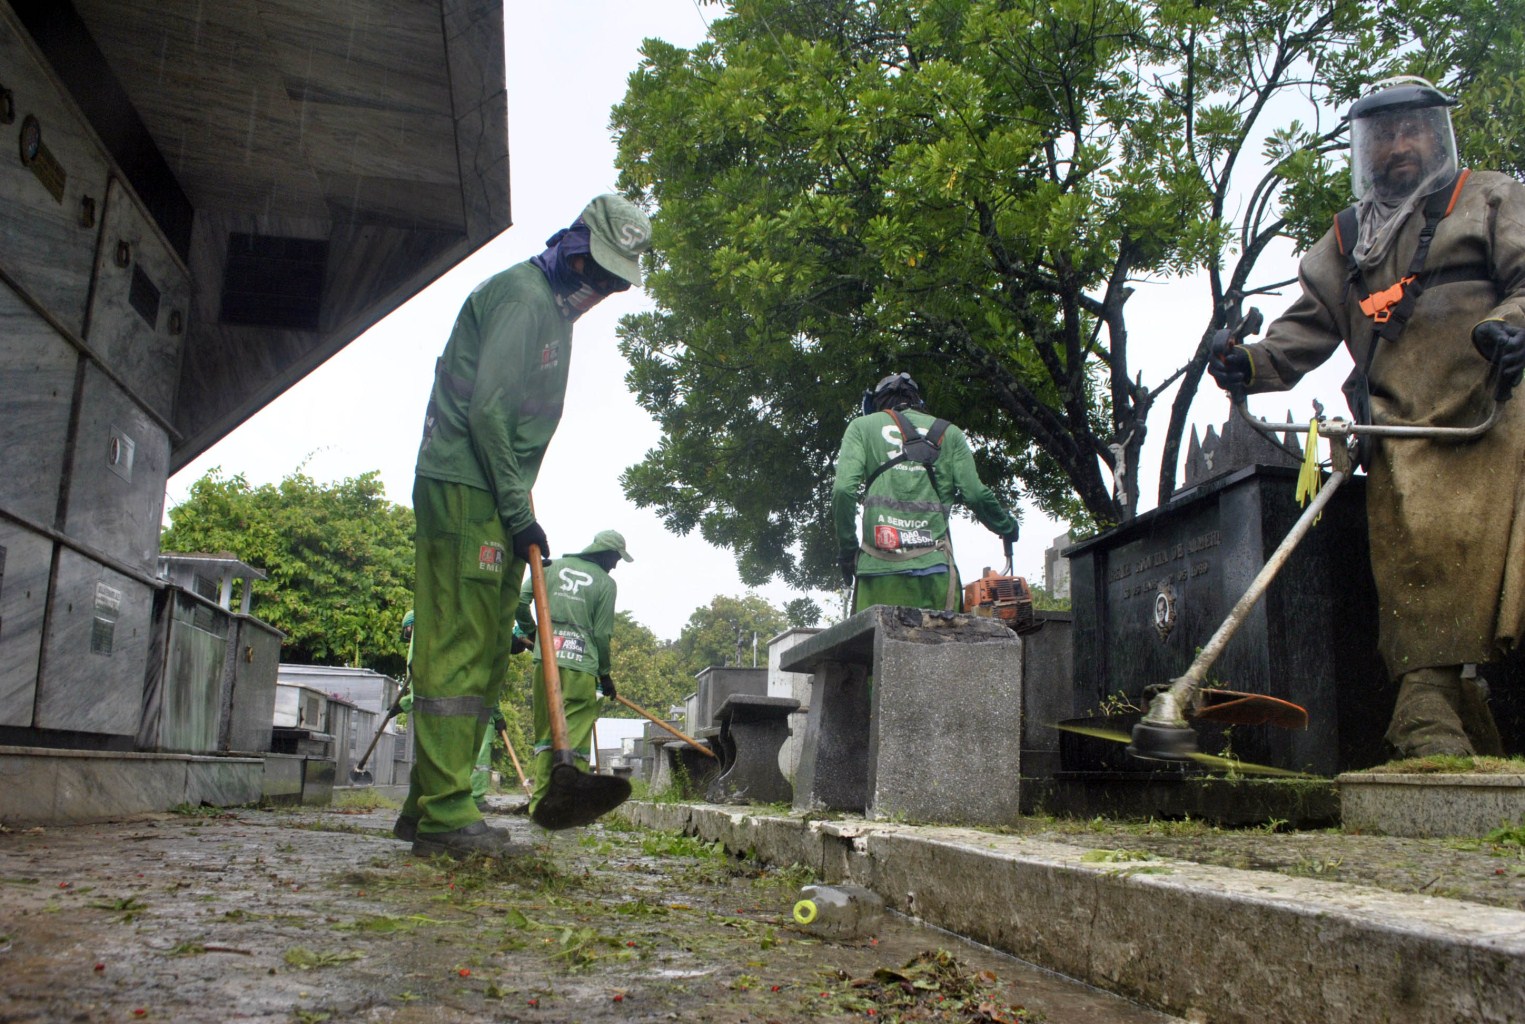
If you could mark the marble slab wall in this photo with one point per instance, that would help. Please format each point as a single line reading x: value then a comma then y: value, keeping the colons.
x: 95, y: 651
x: 140, y: 308
x: 50, y: 205
x: 116, y: 481
x: 27, y: 558
x: 37, y: 371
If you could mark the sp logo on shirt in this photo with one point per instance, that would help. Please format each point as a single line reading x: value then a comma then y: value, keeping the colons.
x: 573, y: 580
x: 886, y: 538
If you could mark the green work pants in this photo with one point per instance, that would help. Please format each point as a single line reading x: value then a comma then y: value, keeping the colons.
x: 466, y: 591
x: 579, y: 695
x: 907, y: 591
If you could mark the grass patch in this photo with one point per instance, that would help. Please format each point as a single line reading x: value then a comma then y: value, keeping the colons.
x: 1441, y: 764
x: 363, y: 799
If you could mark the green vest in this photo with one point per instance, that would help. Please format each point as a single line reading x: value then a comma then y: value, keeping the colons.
x: 582, y: 614
x: 905, y: 509
x: 498, y: 391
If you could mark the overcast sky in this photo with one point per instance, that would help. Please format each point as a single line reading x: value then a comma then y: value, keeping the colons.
x: 363, y: 410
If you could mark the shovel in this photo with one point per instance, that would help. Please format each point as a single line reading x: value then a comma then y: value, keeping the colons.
x: 1163, y: 733
x: 573, y: 797
x: 358, y: 776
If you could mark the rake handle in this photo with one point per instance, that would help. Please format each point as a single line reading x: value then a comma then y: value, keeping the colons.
x: 518, y: 770
x: 654, y: 720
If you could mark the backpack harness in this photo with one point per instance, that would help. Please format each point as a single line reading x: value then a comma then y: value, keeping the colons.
x: 914, y: 447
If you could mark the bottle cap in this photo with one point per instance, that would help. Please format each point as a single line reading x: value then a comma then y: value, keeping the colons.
x: 805, y: 911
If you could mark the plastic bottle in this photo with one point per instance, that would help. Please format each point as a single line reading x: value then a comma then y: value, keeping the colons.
x: 838, y: 911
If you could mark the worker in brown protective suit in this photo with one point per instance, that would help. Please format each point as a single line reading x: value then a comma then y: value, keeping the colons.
x: 1433, y: 325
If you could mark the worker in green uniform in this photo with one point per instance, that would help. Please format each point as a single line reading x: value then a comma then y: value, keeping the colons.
x: 581, y: 598
x: 496, y: 401
x: 911, y: 467
x: 481, y: 771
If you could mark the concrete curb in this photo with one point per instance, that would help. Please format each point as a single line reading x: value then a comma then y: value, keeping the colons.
x: 1205, y: 943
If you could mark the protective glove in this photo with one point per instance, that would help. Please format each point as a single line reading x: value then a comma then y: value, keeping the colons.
x: 1504, y: 345
x: 1229, y: 364
x: 531, y: 534
x: 1011, y: 538
x: 606, y: 686
x: 520, y: 643
x: 848, y: 563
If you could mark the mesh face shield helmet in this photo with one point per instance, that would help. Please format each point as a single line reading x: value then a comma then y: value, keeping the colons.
x: 896, y: 389
x: 1401, y: 140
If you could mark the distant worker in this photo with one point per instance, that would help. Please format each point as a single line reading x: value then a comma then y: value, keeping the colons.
x: 481, y: 771
x: 582, y: 597
x: 1446, y: 520
x: 911, y: 467
x: 496, y: 401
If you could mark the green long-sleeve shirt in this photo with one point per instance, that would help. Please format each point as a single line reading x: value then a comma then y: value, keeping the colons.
x: 498, y: 391
x: 903, y: 512
x: 582, y: 599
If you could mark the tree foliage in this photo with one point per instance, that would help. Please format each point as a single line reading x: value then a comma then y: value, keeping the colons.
x: 338, y: 560
x: 971, y: 190
x: 727, y: 632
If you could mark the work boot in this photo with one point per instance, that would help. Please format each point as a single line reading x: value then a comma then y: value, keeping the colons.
x: 1427, y: 715
x: 405, y: 828
x: 1477, y: 718
x: 478, y: 838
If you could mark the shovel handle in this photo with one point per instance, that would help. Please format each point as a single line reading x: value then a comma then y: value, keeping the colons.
x: 654, y: 720
x: 560, y: 748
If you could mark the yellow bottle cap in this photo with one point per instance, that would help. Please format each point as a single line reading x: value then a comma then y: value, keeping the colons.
x: 805, y: 911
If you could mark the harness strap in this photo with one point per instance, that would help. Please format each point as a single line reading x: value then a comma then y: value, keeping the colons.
x: 945, y: 545
x: 908, y: 432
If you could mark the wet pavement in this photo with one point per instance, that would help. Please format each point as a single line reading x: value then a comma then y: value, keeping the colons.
x: 319, y: 915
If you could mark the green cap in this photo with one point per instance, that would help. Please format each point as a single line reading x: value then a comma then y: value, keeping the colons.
x: 618, y: 232
x: 608, y: 540
x: 407, y: 620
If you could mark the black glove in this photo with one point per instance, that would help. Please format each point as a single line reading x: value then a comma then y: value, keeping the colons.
x: 848, y: 563
x: 531, y: 534
x: 1229, y: 364
x: 1011, y: 538
x: 1504, y: 345
x: 606, y: 686
x: 520, y: 644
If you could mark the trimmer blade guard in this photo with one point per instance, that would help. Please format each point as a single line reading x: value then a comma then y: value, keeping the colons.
x: 578, y: 798
x: 1235, y: 708
x: 1007, y: 598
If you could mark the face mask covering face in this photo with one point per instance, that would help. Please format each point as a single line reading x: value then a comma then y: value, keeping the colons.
x: 579, y: 302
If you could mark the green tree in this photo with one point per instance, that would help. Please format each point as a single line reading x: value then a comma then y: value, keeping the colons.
x: 338, y: 560
x: 971, y: 190
x: 723, y: 633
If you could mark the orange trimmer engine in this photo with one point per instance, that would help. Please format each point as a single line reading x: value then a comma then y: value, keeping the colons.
x: 1005, y: 597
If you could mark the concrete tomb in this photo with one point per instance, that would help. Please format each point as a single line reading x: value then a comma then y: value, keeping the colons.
x: 913, y: 714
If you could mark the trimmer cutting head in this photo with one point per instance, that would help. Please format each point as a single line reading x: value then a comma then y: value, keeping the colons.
x: 1156, y: 742
x: 577, y: 798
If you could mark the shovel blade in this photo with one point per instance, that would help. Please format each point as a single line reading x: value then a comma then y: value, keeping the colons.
x: 360, y: 777
x: 576, y: 798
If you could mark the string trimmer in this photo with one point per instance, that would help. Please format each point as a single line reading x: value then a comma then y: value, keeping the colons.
x: 1163, y: 734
